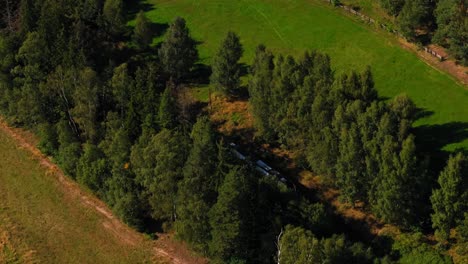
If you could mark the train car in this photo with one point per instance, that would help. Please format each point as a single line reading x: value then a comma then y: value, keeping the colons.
x: 238, y: 154
x: 263, y: 165
x: 262, y: 171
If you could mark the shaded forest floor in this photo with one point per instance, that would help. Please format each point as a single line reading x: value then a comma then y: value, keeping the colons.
x: 103, y: 234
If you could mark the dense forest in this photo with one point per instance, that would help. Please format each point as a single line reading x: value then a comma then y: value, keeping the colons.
x: 444, y: 22
x: 110, y: 107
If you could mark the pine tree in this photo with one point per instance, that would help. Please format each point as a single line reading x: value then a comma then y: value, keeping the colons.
x: 452, y: 27
x: 49, y: 139
x: 69, y: 148
x: 167, y: 109
x: 226, y: 67
x: 414, y: 15
x: 231, y: 217
x: 197, y: 189
x: 121, y: 191
x: 121, y: 84
x: 350, y: 171
x: 259, y: 90
x: 86, y: 104
x: 399, y: 188
x: 113, y: 13
x: 450, y: 201
x: 393, y: 6
x: 178, y: 52
x: 158, y: 167
x: 142, y: 32
x: 91, y: 169
x: 27, y: 16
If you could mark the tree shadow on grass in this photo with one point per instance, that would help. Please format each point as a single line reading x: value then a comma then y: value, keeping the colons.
x: 133, y: 7
x: 431, y: 139
x: 200, y: 75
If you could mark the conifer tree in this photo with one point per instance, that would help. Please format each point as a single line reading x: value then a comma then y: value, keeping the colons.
x: 197, y: 189
x: 86, y: 103
x: 231, y: 217
x: 69, y: 150
x: 113, y: 13
x: 158, y: 168
x: 178, y: 52
x: 259, y: 90
x: 393, y: 6
x: 121, y: 84
x: 414, y: 15
x: 27, y: 16
x: 91, y: 169
x: 350, y: 171
x: 449, y: 202
x: 226, y: 67
x: 142, y: 32
x: 400, y: 190
x: 167, y: 109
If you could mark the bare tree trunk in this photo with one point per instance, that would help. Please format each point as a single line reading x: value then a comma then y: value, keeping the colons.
x: 278, y: 246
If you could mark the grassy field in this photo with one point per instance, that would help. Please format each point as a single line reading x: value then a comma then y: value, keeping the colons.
x: 41, y: 223
x: 290, y: 27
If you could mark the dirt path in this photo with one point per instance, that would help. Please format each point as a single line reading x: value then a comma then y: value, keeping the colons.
x: 164, y: 249
x: 449, y: 66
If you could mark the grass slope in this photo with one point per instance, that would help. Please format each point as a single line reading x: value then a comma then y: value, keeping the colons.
x: 290, y: 27
x: 44, y: 225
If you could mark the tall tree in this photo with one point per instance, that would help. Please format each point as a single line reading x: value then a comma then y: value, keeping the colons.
x: 158, y: 168
x: 226, y: 67
x: 121, y: 84
x: 27, y: 16
x: 393, y: 6
x: 350, y: 171
x: 452, y: 27
x: 449, y: 202
x: 86, y: 103
x: 414, y: 15
x: 400, y: 186
x: 121, y: 192
x: 259, y: 90
x: 167, y: 108
x: 113, y: 13
x: 197, y: 190
x: 142, y: 32
x: 178, y: 52
x: 231, y: 218
x: 91, y: 169
x: 69, y: 148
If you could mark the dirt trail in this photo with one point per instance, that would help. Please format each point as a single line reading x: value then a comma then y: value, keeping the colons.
x: 459, y: 72
x: 164, y: 249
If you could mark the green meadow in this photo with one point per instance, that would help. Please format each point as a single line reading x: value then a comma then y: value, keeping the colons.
x: 293, y: 26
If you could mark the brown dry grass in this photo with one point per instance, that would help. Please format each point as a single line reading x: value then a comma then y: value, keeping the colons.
x: 231, y: 117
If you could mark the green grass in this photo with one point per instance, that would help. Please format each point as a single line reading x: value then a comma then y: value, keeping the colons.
x: 202, y: 94
x: 40, y: 218
x: 291, y: 27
